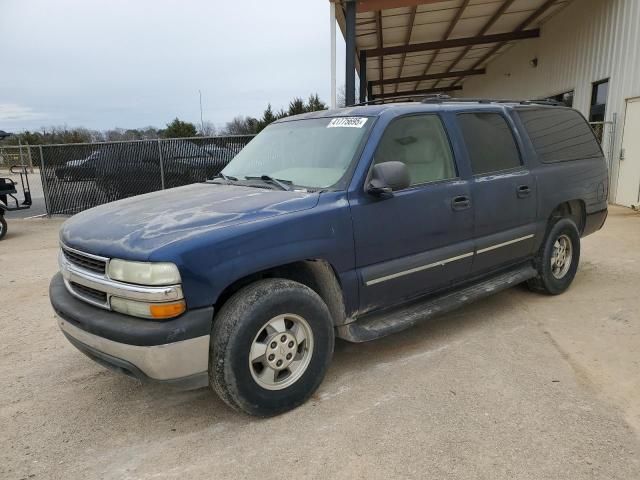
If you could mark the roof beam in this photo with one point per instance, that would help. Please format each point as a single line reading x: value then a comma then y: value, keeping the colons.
x: 530, y: 19
x: 407, y: 39
x: 453, y: 43
x: 432, y: 76
x: 450, y: 29
x: 494, y: 18
x: 411, y: 93
x: 375, y: 5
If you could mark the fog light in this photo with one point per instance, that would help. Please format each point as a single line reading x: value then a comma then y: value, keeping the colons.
x: 158, y: 311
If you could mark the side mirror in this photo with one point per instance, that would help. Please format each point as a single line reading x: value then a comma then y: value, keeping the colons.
x: 388, y: 177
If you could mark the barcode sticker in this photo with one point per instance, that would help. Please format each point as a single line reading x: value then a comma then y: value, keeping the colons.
x: 347, y: 122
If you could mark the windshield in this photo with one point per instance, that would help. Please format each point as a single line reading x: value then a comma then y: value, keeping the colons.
x: 314, y: 153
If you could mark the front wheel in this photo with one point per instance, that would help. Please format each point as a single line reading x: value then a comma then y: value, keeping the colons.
x: 557, y: 260
x: 271, y: 345
x: 3, y: 227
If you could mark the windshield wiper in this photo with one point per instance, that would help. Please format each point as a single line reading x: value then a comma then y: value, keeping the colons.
x: 226, y: 178
x: 274, y: 181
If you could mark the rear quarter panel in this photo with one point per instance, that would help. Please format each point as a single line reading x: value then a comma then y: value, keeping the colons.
x: 585, y: 180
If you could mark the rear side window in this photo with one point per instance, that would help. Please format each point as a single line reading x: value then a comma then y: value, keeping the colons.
x: 489, y: 141
x: 559, y: 134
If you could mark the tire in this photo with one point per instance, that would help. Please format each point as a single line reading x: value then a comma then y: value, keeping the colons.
x: 242, y: 330
x: 3, y: 227
x: 555, y: 279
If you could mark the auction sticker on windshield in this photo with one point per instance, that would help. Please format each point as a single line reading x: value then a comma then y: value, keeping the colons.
x: 347, y: 122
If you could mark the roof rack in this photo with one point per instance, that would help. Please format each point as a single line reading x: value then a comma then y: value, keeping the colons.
x: 442, y: 98
x: 395, y: 98
x: 445, y: 98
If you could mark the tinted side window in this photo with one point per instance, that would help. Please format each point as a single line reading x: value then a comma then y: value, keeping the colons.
x: 489, y: 141
x: 419, y: 142
x: 559, y: 134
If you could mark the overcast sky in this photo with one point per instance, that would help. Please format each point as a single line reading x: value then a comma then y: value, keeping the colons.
x: 114, y: 63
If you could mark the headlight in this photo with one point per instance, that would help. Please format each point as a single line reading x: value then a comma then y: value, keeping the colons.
x: 158, y: 311
x: 142, y: 273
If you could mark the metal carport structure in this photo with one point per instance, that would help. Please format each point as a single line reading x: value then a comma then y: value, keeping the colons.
x: 415, y: 47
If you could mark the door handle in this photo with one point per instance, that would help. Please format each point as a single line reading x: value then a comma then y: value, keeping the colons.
x: 460, y: 202
x: 523, y: 191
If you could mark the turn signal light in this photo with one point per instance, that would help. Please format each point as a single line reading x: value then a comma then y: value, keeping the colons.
x: 167, y: 310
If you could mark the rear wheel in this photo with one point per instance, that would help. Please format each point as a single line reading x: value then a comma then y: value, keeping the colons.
x: 271, y: 345
x: 3, y: 227
x: 557, y: 260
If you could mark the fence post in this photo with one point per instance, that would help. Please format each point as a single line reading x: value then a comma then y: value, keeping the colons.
x: 45, y: 185
x: 30, y: 158
x: 20, y: 156
x: 161, y: 163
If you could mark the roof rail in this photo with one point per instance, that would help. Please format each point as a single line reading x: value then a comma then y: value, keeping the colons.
x: 442, y: 98
x: 553, y: 103
x: 406, y: 97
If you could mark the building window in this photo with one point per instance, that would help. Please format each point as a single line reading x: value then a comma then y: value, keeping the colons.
x: 565, y: 98
x: 599, y: 95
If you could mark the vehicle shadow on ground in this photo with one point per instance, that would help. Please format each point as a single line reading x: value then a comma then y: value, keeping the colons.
x: 203, y: 405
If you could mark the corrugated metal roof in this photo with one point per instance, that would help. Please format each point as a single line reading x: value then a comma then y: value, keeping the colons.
x: 414, y: 22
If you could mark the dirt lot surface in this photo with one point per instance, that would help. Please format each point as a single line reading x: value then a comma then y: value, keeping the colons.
x: 518, y: 386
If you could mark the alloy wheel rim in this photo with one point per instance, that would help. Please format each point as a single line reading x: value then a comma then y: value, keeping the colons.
x: 281, y: 351
x: 561, y: 257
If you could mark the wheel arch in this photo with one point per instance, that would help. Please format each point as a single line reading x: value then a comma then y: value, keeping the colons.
x: 317, y: 274
x: 572, y: 209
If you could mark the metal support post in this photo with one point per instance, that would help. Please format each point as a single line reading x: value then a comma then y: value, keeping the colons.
x: 350, y: 41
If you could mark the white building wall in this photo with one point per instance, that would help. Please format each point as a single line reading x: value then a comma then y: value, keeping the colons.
x: 588, y: 41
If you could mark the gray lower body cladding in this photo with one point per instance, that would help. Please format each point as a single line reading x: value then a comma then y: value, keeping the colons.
x: 172, y: 351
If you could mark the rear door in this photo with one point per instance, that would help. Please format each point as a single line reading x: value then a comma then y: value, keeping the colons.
x: 503, y: 191
x: 420, y: 239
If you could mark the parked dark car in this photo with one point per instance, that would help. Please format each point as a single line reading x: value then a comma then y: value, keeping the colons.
x: 77, y: 170
x: 133, y: 168
x: 353, y: 223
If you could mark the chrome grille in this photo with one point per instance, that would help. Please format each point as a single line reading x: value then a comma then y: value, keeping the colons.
x: 85, y: 261
x: 90, y: 293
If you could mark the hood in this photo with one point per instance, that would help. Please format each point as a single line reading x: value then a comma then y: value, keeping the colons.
x: 133, y: 228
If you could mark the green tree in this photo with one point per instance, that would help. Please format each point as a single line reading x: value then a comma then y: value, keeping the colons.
x: 314, y: 103
x: 267, y: 117
x: 179, y: 129
x: 296, y: 107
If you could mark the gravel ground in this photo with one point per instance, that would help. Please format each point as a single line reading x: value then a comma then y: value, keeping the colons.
x: 518, y: 386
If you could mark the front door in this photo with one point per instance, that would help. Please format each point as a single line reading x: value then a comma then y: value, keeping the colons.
x: 420, y: 239
x: 503, y: 191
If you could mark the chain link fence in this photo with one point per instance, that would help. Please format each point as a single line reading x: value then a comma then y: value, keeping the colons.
x: 15, y: 155
x: 606, y: 134
x: 76, y: 177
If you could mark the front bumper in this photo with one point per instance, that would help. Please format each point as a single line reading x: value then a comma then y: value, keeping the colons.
x: 172, y: 351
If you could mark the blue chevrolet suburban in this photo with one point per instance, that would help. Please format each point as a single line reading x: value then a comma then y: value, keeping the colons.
x: 352, y: 223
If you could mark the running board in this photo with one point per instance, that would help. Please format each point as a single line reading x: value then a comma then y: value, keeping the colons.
x: 379, y: 325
